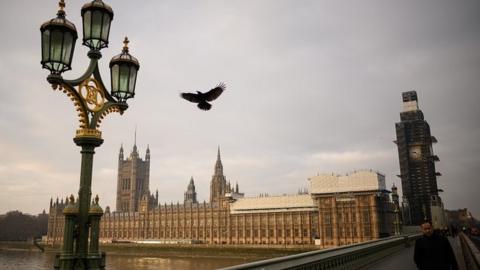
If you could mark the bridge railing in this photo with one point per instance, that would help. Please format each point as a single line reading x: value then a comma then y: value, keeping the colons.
x: 471, y: 254
x: 347, y: 257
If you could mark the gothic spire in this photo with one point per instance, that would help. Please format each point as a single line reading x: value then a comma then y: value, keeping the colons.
x: 218, y: 164
x: 191, y: 181
x: 394, y: 189
x: 120, y: 155
x: 190, y: 196
x: 135, y: 141
x: 147, y: 154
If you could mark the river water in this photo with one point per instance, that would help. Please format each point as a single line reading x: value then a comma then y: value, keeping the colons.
x: 21, y: 259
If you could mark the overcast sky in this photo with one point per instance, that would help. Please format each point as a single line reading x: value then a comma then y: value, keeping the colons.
x: 312, y: 87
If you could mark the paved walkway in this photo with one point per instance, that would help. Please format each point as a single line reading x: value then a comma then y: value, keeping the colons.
x: 403, y: 260
x: 457, y: 249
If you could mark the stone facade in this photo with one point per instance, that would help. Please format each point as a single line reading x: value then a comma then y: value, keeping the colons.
x: 133, y: 181
x: 326, y: 217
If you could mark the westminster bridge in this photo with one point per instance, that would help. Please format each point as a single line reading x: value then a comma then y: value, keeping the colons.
x: 390, y: 253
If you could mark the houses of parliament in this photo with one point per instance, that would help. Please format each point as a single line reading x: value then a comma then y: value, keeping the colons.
x: 336, y: 210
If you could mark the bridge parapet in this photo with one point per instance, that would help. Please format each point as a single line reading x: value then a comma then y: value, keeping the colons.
x: 355, y: 256
x: 471, y: 254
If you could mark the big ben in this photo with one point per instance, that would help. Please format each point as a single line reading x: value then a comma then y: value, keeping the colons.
x: 417, y: 160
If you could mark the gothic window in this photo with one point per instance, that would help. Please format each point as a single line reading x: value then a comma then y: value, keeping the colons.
x: 126, y: 184
x: 327, y: 218
x: 367, y: 231
x: 366, y: 216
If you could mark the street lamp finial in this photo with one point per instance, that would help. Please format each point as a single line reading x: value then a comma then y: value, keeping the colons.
x: 125, y: 44
x: 61, y: 5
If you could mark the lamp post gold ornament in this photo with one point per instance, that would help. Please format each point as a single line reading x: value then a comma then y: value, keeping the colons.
x: 92, y: 102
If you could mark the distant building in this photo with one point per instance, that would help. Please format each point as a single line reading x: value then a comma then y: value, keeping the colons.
x: 339, y: 210
x: 439, y: 220
x: 417, y: 162
x: 460, y: 218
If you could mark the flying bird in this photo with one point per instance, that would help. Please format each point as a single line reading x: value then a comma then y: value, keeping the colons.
x: 203, y: 98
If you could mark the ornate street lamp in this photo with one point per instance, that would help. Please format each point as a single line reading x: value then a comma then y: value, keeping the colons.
x: 58, y: 42
x: 123, y: 73
x: 96, y: 17
x: 92, y: 102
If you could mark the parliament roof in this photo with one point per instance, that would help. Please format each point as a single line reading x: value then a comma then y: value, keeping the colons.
x: 363, y: 180
x: 284, y: 203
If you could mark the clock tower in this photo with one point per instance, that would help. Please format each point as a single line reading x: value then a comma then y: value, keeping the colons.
x: 417, y: 160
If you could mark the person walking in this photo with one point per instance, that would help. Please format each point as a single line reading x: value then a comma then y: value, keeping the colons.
x: 433, y: 251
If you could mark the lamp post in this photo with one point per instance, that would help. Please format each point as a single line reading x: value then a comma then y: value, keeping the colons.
x: 397, y: 223
x: 92, y: 102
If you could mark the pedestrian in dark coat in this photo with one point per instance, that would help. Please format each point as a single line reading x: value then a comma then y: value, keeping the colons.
x: 433, y: 251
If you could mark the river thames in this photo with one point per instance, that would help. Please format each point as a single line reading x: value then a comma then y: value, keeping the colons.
x: 20, y: 259
x: 24, y: 255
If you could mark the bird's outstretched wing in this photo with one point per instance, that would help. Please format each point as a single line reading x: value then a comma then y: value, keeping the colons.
x: 215, y: 92
x: 191, y: 97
